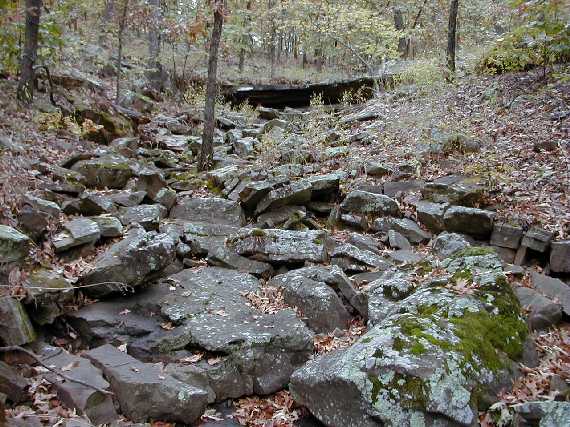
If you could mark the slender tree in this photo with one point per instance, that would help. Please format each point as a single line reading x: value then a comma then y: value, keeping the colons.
x: 122, y: 25
x: 452, y: 34
x: 30, y: 54
x: 205, y: 159
x: 154, y: 64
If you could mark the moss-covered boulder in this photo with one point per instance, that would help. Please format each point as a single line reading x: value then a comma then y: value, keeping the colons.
x: 439, y: 355
x: 109, y: 171
x: 114, y: 125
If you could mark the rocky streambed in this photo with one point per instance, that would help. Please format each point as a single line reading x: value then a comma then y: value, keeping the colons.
x: 202, y: 288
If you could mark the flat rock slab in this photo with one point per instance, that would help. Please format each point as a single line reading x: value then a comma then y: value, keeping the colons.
x: 211, y: 210
x: 129, y: 262
x: 280, y: 246
x: 212, y: 311
x: 148, y: 216
x: 560, y: 257
x: 475, y: 222
x: 145, y: 392
x: 86, y: 400
x: 203, y: 237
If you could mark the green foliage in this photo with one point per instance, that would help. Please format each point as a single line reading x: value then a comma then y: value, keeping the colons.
x: 11, y: 38
x: 541, y: 38
x: 424, y: 74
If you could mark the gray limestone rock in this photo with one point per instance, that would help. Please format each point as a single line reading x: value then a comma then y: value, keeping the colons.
x: 412, y: 368
x: 447, y: 244
x: 86, y: 400
x: 280, y: 246
x: 17, y: 328
x: 148, y: 216
x: 211, y: 210
x: 506, y: 236
x: 553, y: 288
x: 145, y: 392
x: 110, y: 171
x: 431, y: 215
x: 363, y: 202
x: 560, y: 256
x: 320, y: 306
x: 129, y: 262
x: 474, y: 222
x: 14, y: 246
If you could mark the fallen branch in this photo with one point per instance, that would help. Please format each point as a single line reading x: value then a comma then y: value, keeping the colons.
x: 51, y: 369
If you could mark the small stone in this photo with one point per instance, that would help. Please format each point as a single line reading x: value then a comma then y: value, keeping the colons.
x: 447, y: 244
x: 148, y: 216
x: 16, y: 327
x: 362, y: 202
x: 14, y: 246
x: 471, y: 221
x: 506, y: 236
x: 560, y: 257
x: 397, y: 241
x: 377, y: 169
x: 537, y: 239
x: 109, y: 226
x: 431, y: 215
x: 553, y: 288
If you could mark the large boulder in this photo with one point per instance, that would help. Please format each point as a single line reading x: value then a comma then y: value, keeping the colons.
x: 296, y: 193
x: 129, y: 262
x: 203, y: 238
x: 437, y: 357
x: 211, y: 210
x: 322, y: 309
x: 363, y: 202
x: 213, y: 313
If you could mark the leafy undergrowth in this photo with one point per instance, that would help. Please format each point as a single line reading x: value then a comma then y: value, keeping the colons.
x: 523, y: 123
x: 278, y: 410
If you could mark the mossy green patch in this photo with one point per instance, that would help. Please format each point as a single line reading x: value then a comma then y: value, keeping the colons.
x: 474, y: 251
x: 376, y: 387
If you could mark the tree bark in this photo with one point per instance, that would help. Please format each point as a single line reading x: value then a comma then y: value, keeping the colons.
x: 205, y: 159
x: 122, y: 24
x: 26, y: 85
x: 272, y: 40
x: 154, y: 64
x: 452, y: 34
x: 399, y: 25
x: 245, y: 38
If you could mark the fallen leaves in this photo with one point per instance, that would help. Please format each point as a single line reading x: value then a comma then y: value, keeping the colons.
x: 276, y: 411
x: 340, y: 339
x: 267, y: 299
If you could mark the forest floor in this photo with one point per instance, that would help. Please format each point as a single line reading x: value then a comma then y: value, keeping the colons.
x: 522, y: 121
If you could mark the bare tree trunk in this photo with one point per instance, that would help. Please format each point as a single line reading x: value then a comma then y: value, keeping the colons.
x: 245, y: 39
x: 26, y: 85
x: 154, y: 64
x: 451, y: 34
x: 399, y: 25
x: 205, y: 159
x: 272, y: 41
x: 122, y: 24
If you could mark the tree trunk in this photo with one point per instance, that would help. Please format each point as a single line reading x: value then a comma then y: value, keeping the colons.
x: 30, y: 55
x: 122, y: 24
x: 205, y: 158
x: 155, y: 73
x: 451, y: 34
x: 245, y: 39
x: 272, y: 40
x: 399, y: 25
